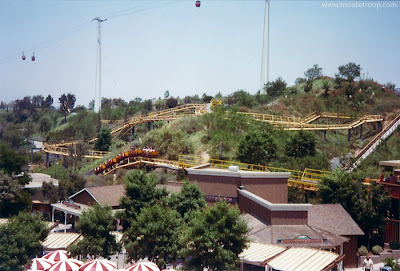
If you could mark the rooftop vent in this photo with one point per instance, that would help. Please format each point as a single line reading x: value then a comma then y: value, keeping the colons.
x: 233, y: 168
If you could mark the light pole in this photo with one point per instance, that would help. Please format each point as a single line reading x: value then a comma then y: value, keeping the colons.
x: 265, y: 48
x: 97, y: 94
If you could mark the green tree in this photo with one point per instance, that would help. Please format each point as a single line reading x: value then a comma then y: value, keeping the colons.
x: 224, y: 127
x: 390, y: 85
x: 308, y: 86
x: 141, y: 192
x: 10, y: 161
x: 67, y: 103
x: 313, y: 73
x: 96, y: 225
x: 45, y: 124
x: 13, y: 197
x: 257, y: 147
x: 206, y: 98
x: 169, y: 142
x: 171, y: 102
x: 85, y: 124
x: 166, y: 94
x: 242, y: 98
x: 20, y: 240
x: 301, y: 144
x: 50, y: 192
x: 155, y: 235
x: 215, y: 239
x: 103, y: 141
x: 296, y: 195
x: 325, y: 87
x: 275, y: 88
x: 48, y: 102
x: 189, y: 200
x: 348, y: 72
x: 299, y: 80
x: 70, y: 185
x: 147, y: 106
x: 77, y: 151
x: 367, y: 205
x: 15, y: 134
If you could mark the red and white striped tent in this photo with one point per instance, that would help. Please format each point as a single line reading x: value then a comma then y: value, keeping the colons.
x: 66, y: 265
x: 56, y: 256
x: 41, y: 264
x: 143, y: 266
x: 98, y: 265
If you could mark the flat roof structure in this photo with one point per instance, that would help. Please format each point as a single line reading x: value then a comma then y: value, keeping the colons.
x: 300, y: 259
x: 55, y: 241
x: 390, y: 163
x: 39, y: 178
x: 257, y: 253
x: 237, y: 173
x: 290, y: 259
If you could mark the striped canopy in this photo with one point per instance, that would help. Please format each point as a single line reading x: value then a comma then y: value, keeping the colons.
x: 56, y: 256
x: 66, y: 265
x: 143, y: 266
x: 98, y: 265
x: 41, y: 264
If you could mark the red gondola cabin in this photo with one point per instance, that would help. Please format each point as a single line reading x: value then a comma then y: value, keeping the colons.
x: 198, y: 4
x: 33, y: 57
x: 23, y: 56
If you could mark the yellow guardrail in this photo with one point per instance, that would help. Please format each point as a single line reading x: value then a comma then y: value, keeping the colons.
x: 56, y: 149
x: 308, y: 178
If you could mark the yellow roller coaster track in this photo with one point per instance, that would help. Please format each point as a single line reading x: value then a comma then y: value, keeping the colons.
x: 307, y: 179
x: 295, y: 124
x: 289, y: 123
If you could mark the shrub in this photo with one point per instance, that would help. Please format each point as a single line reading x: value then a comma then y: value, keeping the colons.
x: 377, y: 249
x: 394, y: 244
x: 363, y: 251
x: 394, y: 264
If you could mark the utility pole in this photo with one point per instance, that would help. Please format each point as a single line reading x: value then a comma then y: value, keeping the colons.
x: 97, y: 94
x: 265, y: 49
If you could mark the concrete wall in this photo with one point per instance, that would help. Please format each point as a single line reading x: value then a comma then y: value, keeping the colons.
x: 276, y: 214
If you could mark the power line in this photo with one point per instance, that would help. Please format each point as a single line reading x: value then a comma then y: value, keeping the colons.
x: 61, y: 36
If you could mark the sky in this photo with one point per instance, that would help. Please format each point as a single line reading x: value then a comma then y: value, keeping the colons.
x: 150, y: 46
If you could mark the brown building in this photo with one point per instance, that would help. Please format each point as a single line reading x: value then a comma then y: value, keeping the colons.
x: 271, y: 186
x: 392, y: 185
x: 262, y: 198
x: 323, y: 226
x: 87, y: 197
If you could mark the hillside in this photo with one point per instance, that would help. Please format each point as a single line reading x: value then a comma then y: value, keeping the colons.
x: 219, y: 134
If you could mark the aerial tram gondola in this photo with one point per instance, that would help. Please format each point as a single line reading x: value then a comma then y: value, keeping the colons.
x: 33, y: 57
x: 198, y: 3
x: 23, y: 56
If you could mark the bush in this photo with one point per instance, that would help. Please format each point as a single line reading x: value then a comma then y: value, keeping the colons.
x: 394, y: 244
x: 394, y: 264
x: 377, y: 249
x: 363, y: 251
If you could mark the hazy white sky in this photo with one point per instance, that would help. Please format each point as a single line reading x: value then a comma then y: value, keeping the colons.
x: 153, y: 46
